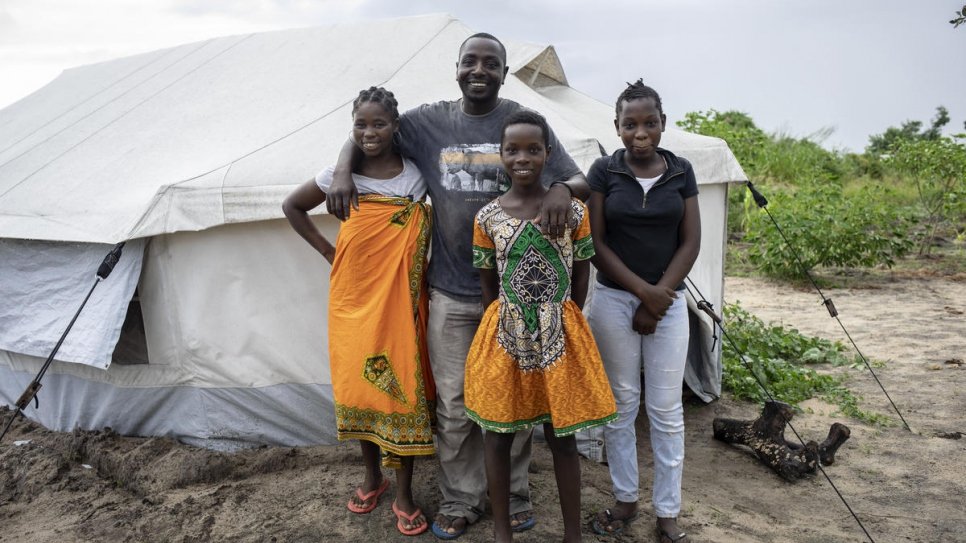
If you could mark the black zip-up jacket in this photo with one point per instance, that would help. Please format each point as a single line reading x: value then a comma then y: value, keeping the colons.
x: 642, y: 228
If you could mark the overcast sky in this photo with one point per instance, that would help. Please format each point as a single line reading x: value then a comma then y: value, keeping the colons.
x: 856, y: 66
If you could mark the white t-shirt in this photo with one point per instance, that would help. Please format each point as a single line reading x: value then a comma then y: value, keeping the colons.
x: 408, y: 184
x: 648, y: 182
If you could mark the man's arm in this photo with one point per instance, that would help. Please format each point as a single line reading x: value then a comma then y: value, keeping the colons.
x: 342, y: 194
x: 555, y: 211
x: 578, y: 186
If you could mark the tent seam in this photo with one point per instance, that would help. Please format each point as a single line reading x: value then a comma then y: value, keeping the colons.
x: 224, y: 178
x: 323, y: 116
x: 91, y: 97
x: 121, y: 116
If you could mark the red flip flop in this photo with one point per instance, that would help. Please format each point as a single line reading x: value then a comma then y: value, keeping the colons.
x: 400, y: 515
x: 372, y: 498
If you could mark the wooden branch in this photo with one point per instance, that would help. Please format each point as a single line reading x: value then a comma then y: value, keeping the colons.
x: 837, y: 435
x: 766, y: 437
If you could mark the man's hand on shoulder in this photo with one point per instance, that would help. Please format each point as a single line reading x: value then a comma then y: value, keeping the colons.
x: 555, y: 210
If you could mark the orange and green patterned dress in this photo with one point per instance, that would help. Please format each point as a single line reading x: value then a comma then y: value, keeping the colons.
x: 533, y: 359
x: 383, y: 387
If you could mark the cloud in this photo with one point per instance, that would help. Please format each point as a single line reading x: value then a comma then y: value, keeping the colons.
x: 271, y: 12
x: 861, y: 66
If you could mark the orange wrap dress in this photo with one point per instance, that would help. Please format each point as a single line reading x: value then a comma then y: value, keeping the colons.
x: 533, y: 359
x: 378, y: 358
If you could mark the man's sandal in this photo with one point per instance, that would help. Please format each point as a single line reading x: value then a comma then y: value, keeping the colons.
x: 441, y: 533
x: 525, y: 525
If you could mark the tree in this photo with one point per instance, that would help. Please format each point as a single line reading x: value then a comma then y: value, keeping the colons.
x: 887, y: 142
x: 938, y: 122
x: 960, y: 18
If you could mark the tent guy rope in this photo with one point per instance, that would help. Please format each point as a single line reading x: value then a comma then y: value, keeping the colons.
x: 762, y: 203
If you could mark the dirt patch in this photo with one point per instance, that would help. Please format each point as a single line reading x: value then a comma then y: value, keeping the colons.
x: 904, y: 486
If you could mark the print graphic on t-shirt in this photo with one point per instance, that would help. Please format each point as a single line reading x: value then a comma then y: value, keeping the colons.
x: 472, y: 168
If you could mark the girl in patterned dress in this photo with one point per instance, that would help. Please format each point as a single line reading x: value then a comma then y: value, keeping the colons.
x: 382, y: 387
x: 533, y: 359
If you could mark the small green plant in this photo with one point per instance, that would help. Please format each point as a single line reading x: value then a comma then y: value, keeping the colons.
x: 848, y: 404
x: 779, y: 357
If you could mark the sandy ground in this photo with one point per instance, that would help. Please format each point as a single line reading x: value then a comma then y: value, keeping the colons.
x: 903, y: 486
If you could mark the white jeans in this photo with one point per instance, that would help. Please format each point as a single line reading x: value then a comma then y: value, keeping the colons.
x: 663, y: 356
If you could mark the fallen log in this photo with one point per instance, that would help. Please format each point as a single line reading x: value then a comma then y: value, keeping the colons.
x: 766, y: 437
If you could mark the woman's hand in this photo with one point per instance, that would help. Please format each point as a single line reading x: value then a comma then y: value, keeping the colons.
x: 296, y: 207
x: 643, y: 322
x: 656, y: 299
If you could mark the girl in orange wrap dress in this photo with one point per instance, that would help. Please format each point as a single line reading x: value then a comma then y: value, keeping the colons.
x: 533, y: 359
x: 381, y: 382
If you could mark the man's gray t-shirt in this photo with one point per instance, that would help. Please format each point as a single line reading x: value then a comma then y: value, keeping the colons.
x: 459, y: 155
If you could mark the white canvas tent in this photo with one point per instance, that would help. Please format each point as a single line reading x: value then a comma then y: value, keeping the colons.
x: 187, y: 153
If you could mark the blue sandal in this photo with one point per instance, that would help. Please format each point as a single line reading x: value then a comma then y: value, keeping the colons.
x: 439, y: 532
x: 525, y: 525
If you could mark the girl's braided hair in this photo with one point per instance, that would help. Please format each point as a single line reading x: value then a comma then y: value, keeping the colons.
x: 380, y: 96
x: 635, y: 91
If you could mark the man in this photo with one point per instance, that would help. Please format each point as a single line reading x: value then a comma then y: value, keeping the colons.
x: 465, y: 135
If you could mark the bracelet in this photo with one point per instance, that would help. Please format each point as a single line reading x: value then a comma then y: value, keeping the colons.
x: 565, y: 185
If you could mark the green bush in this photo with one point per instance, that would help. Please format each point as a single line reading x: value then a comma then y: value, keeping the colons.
x: 825, y: 228
x: 840, y: 209
x: 738, y: 129
x: 886, y: 143
x: 857, y: 165
x: 769, y: 160
x: 937, y: 169
x: 775, y: 157
x: 793, y: 161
